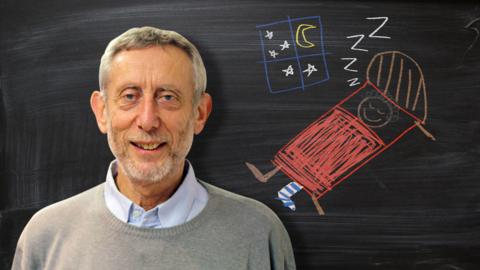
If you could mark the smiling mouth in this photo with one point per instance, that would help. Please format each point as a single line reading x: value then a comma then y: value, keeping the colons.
x: 148, y: 146
x: 369, y: 119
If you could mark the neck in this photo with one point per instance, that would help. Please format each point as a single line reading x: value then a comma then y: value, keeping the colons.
x: 148, y: 194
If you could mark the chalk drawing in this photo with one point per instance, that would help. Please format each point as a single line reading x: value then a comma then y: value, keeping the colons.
x: 400, y: 77
x: 295, y: 42
x: 344, y: 139
x: 360, y: 38
x: 352, y: 61
x: 288, y: 71
x: 304, y: 41
x: 375, y: 111
x: 310, y: 70
x: 354, y: 46
x: 374, y: 32
x: 273, y: 53
x: 269, y: 34
x: 285, y: 45
x: 353, y: 81
x: 473, y: 25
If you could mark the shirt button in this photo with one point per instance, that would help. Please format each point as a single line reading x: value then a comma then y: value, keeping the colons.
x: 136, y: 214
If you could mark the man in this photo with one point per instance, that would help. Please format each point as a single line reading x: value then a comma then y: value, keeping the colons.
x: 152, y: 213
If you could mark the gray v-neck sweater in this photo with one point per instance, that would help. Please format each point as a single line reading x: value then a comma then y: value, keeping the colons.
x: 232, y: 232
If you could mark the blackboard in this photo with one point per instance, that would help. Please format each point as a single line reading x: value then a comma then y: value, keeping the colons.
x: 414, y: 206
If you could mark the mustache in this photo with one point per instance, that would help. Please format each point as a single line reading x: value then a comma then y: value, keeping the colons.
x: 144, y: 136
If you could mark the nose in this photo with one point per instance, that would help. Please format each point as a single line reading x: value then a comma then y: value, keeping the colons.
x: 148, y: 118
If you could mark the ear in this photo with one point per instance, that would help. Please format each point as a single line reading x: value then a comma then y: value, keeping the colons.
x: 97, y: 103
x: 204, y: 108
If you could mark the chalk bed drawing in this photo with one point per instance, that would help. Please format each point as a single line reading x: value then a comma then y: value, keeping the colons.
x: 293, y: 54
x: 401, y: 77
x: 353, y: 132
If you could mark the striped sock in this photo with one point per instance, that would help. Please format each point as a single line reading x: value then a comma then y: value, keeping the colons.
x: 287, y: 192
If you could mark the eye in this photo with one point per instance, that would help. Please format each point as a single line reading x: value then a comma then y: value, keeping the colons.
x: 129, y: 96
x: 168, y: 97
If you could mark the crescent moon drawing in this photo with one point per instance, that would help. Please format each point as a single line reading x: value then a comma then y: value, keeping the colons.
x: 301, y: 29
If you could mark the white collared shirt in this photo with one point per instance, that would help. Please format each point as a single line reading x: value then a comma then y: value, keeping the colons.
x: 187, y: 202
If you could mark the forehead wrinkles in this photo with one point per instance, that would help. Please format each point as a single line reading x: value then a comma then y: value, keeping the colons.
x: 167, y: 63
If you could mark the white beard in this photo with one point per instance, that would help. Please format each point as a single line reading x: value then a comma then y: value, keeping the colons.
x: 152, y: 176
x: 169, y: 166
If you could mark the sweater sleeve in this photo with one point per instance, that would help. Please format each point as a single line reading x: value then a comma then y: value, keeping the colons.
x: 24, y: 254
x: 32, y: 244
x: 273, y: 253
x: 281, y: 252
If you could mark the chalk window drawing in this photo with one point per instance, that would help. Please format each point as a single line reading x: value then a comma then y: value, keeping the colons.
x: 353, y: 132
x: 293, y: 54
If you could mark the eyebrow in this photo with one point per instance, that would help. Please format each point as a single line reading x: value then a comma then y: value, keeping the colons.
x: 168, y: 87
x: 165, y: 87
x: 129, y: 85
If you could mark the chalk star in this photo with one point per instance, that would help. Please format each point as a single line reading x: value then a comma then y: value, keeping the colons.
x: 285, y: 45
x: 310, y: 69
x: 273, y: 53
x: 269, y: 35
x: 288, y: 71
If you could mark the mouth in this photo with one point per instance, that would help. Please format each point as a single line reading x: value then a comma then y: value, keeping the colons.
x: 365, y: 116
x: 148, y: 146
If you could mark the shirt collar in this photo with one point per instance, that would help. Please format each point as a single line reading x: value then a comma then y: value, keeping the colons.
x: 118, y: 203
x: 176, y: 210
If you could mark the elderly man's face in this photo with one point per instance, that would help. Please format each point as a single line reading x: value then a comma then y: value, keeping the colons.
x: 149, y: 115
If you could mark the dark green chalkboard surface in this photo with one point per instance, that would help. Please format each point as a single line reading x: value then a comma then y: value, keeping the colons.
x: 371, y: 108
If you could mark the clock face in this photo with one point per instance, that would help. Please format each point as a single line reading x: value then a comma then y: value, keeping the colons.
x: 375, y: 112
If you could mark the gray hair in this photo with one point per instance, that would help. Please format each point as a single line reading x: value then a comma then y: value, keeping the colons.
x: 143, y: 37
